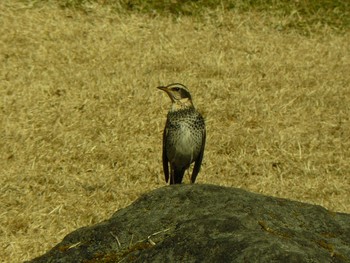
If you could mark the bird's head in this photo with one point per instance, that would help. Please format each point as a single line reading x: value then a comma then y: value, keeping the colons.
x: 179, y: 95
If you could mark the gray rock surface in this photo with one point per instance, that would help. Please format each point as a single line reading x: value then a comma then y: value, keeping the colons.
x: 206, y: 223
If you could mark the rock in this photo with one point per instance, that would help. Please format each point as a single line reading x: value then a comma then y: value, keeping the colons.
x: 206, y: 223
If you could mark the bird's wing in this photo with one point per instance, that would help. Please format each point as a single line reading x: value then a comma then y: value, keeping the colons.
x: 165, y: 158
x: 198, y: 161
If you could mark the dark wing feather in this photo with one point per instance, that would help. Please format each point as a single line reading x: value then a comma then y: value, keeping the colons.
x: 198, y: 161
x: 165, y: 158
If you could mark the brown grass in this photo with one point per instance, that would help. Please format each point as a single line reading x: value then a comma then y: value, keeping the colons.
x: 81, y: 119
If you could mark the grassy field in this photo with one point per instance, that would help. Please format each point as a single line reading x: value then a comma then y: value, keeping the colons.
x: 82, y: 120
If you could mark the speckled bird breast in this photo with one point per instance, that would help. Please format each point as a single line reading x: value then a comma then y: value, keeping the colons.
x: 184, y: 136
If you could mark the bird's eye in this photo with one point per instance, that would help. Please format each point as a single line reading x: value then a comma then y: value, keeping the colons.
x: 176, y: 89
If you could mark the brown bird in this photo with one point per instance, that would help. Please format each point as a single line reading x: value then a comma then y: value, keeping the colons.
x: 184, y: 135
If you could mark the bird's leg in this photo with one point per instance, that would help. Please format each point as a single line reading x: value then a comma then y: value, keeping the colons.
x: 172, y: 175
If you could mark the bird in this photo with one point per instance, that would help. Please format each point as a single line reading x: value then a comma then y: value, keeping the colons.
x: 184, y: 135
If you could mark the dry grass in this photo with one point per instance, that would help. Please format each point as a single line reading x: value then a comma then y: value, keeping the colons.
x: 81, y: 119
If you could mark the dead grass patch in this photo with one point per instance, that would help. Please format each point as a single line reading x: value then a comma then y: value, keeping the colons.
x: 81, y: 119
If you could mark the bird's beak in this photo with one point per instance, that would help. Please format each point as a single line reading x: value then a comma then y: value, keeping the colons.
x: 164, y: 88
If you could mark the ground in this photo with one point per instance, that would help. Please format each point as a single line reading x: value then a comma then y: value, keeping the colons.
x: 82, y: 120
